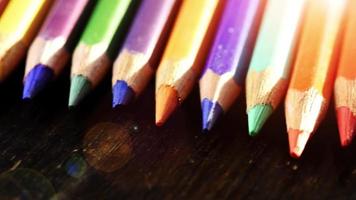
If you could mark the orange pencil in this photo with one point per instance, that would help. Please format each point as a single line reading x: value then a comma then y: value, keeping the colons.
x: 183, y: 57
x: 345, y: 85
x: 314, y: 71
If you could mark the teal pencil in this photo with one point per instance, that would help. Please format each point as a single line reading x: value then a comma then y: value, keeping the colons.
x: 271, y: 64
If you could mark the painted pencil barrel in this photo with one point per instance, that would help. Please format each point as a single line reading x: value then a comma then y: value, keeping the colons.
x: 225, y: 70
x: 49, y: 46
x: 184, y: 54
x: 314, y: 71
x: 271, y: 63
x: 345, y: 84
x: 90, y: 54
x: 134, y: 66
x: 48, y: 53
x: 18, y: 26
x: 91, y: 61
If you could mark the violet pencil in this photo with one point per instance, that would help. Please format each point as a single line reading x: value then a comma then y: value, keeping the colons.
x: 229, y: 57
x: 50, y: 50
x: 136, y: 62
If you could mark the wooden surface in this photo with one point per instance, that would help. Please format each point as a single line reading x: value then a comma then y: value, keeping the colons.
x: 93, y: 152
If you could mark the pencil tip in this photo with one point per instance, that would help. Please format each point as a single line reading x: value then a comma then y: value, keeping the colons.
x: 79, y: 88
x: 346, y: 122
x: 166, y: 103
x: 36, y: 80
x: 122, y: 94
x: 211, y: 112
x: 297, y: 141
x: 257, y: 116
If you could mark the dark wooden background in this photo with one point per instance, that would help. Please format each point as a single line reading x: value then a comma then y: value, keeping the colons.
x: 94, y: 152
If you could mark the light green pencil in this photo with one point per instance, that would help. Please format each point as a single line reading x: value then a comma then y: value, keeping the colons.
x: 91, y: 61
x: 270, y: 67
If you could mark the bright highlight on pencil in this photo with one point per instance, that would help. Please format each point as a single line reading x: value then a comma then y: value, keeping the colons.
x: 90, y: 61
x: 137, y: 61
x: 300, y: 50
x: 229, y: 57
x: 271, y: 63
x: 184, y: 55
x: 18, y: 26
x: 314, y: 72
x: 52, y: 47
x: 345, y: 84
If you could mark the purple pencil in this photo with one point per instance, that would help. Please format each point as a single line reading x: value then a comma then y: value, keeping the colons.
x: 52, y: 47
x: 142, y: 48
x: 229, y: 57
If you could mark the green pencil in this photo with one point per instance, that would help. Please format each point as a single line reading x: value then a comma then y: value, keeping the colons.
x: 91, y: 60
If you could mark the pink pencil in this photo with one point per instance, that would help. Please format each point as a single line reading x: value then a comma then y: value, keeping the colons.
x: 52, y: 47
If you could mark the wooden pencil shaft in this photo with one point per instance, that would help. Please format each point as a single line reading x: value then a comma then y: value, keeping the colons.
x: 91, y: 56
x: 18, y: 26
x: 50, y: 47
x: 230, y: 54
x: 273, y: 56
x: 187, y: 47
x: 313, y: 75
x: 345, y: 84
x: 144, y: 43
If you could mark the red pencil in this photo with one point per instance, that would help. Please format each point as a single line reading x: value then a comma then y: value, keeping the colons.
x: 345, y: 85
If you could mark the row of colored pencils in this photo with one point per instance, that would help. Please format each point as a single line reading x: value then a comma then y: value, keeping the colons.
x: 282, y: 48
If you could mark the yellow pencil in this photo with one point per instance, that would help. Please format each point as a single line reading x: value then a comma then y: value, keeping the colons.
x: 186, y: 50
x: 18, y: 26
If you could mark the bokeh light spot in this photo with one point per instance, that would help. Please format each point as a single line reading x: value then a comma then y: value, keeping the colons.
x: 108, y: 146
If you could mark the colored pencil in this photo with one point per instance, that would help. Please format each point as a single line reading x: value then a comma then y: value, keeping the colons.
x: 226, y: 67
x: 314, y: 71
x: 138, y: 58
x: 91, y: 61
x: 3, y: 4
x: 184, y: 55
x: 49, y: 52
x: 269, y: 72
x: 345, y: 84
x: 18, y: 26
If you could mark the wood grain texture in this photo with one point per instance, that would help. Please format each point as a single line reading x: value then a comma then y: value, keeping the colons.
x: 90, y: 57
x: 346, y: 74
x: 345, y: 83
x: 172, y: 162
x: 19, y: 24
x: 313, y: 76
x: 272, y: 59
x: 50, y: 45
x: 187, y: 45
x: 185, y: 54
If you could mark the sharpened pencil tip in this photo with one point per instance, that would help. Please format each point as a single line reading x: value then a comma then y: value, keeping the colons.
x: 79, y: 88
x: 346, y: 122
x: 257, y: 117
x: 122, y: 94
x: 211, y: 111
x: 36, y: 80
x: 297, y: 142
x: 166, y: 103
